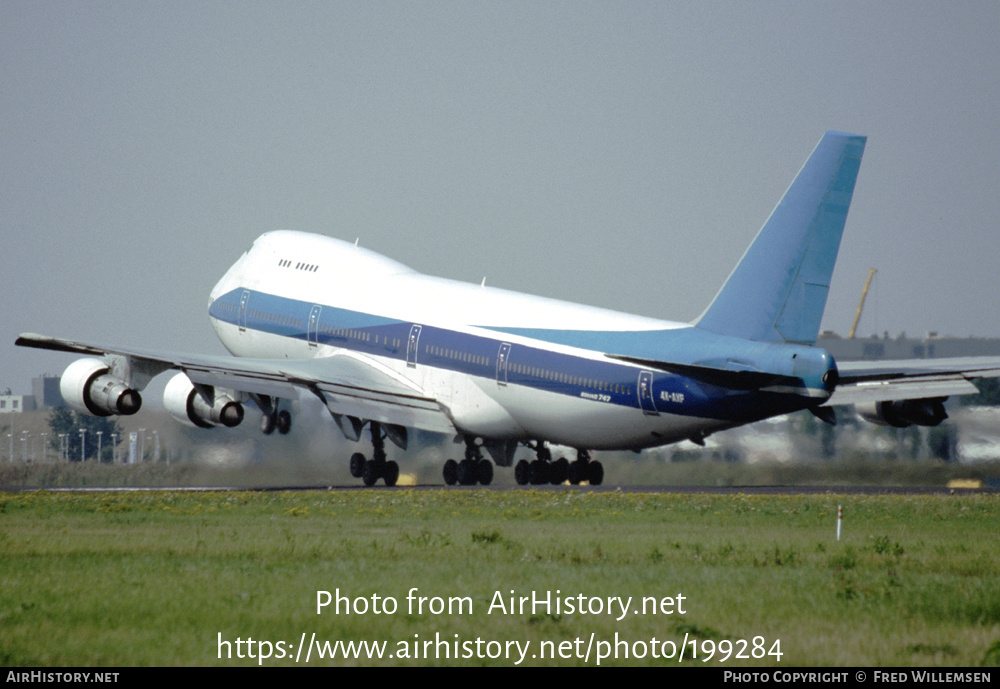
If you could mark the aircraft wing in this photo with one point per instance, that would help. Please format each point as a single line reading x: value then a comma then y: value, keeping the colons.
x: 881, y: 381
x: 347, y: 383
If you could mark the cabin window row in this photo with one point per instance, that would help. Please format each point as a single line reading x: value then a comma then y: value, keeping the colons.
x: 559, y: 377
x: 360, y: 335
x: 348, y: 333
x: 534, y: 371
x: 275, y: 318
x: 455, y: 354
x: 308, y: 267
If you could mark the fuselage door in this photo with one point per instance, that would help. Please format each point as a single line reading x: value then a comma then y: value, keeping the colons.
x: 411, y: 346
x: 312, y: 333
x: 502, y: 357
x: 646, y: 392
x: 242, y: 320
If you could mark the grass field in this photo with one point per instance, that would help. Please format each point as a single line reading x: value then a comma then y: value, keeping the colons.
x: 159, y: 578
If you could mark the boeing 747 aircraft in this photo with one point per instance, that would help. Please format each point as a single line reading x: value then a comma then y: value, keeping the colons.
x: 387, y: 349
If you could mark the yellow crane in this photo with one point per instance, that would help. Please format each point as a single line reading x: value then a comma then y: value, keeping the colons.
x: 861, y: 304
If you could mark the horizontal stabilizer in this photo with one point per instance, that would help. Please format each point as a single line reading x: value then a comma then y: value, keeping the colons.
x: 863, y: 382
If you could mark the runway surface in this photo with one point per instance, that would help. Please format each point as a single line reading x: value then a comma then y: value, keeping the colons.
x: 679, y: 490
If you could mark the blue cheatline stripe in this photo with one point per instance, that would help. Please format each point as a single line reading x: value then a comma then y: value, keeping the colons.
x: 438, y: 347
x: 533, y: 367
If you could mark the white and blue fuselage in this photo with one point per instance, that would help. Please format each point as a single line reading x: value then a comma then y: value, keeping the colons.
x: 504, y: 365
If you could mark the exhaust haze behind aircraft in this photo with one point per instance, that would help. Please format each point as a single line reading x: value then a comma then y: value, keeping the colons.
x: 386, y: 348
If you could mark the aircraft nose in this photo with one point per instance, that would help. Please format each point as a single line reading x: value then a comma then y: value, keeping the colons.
x: 225, y: 284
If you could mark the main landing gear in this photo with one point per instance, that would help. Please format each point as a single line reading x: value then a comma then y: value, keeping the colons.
x: 543, y: 470
x: 281, y: 420
x: 471, y: 470
x: 272, y: 418
x: 368, y: 470
x: 371, y: 470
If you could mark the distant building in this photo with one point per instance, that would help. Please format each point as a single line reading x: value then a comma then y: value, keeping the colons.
x: 16, y: 404
x: 45, y: 389
x: 46, y: 395
x: 902, y: 347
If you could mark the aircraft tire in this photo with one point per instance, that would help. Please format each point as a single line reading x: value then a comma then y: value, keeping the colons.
x: 467, y: 472
x: 574, y: 472
x: 450, y: 472
x: 558, y: 471
x: 391, y: 473
x: 370, y: 475
x: 522, y: 472
x: 357, y: 465
x: 595, y: 471
x: 267, y: 424
x: 284, y: 422
x: 539, y: 472
x: 484, y: 472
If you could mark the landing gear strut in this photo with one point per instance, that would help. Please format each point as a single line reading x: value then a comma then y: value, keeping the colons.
x: 471, y: 470
x: 583, y: 469
x: 272, y: 418
x: 371, y: 470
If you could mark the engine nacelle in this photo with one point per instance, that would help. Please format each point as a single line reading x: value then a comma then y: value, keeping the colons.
x: 88, y: 386
x: 190, y: 407
x: 903, y: 413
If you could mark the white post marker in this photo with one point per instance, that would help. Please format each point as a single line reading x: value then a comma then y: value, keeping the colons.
x: 840, y: 519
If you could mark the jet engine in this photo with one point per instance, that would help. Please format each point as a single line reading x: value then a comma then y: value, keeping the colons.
x: 88, y: 386
x: 204, y: 407
x: 903, y: 413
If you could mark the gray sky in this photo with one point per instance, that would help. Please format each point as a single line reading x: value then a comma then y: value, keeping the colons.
x: 615, y: 154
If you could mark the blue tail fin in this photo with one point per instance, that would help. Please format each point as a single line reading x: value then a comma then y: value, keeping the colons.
x: 778, y: 290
